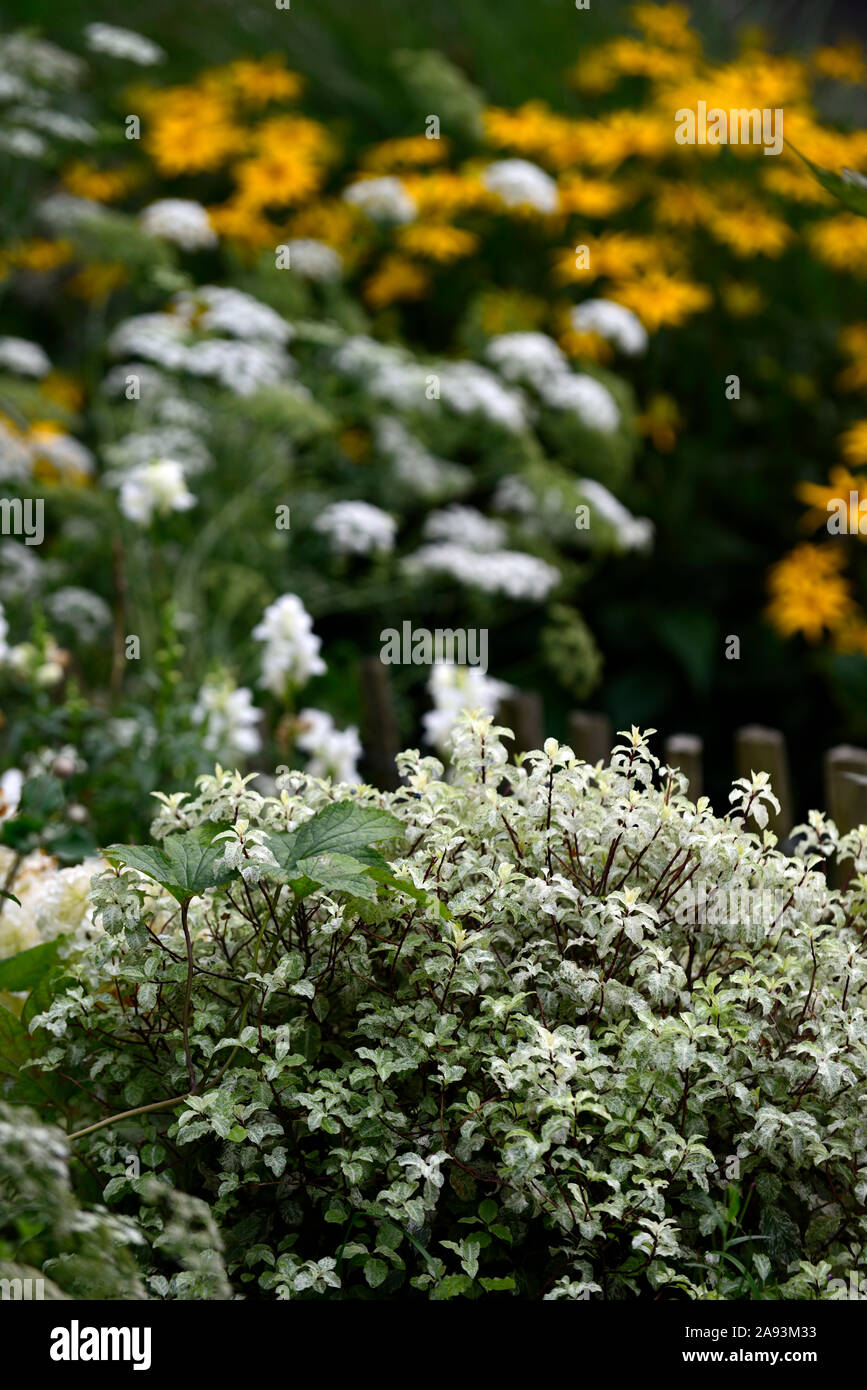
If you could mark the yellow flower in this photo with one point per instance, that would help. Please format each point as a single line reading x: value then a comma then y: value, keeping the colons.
x: 534, y: 130
x: 740, y: 299
x: 665, y: 24
x: 260, y: 82
x: 797, y: 184
x: 405, y: 153
x: 853, y: 343
x: 851, y: 636
x: 841, y: 242
x: 683, y: 205
x: 750, y: 231
x: 189, y: 130
x: 333, y: 221
x: 661, y: 422
x: 244, y: 224
x: 819, y: 497
x: 854, y: 443
x: 289, y: 164
x: 445, y: 193
x: 39, y: 255
x: 593, y: 74
x: 395, y: 279
x: 661, y: 300
x: 843, y: 63
x: 616, y: 254
x: 102, y: 185
x: 64, y: 390
x: 584, y: 346
x: 808, y: 592
x: 95, y: 282
x: 437, y: 241
x: 594, y: 197
x: 634, y: 58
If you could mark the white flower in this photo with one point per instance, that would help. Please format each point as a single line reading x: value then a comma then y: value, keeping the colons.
x: 87, y: 613
x: 509, y: 572
x: 531, y: 357
x: 16, y: 460
x: 241, y: 367
x: 357, y: 528
x: 614, y: 322
x: 585, y: 397
x: 21, y: 356
x: 122, y: 43
x: 65, y: 453
x: 57, y: 123
x: 333, y: 752
x: 179, y: 220
x: 520, y: 183
x: 471, y: 389
x: 455, y: 689
x: 513, y: 494
x: 465, y: 526
x: 154, y: 488
x: 177, y: 443
x: 230, y: 719
x: 291, y: 654
x: 633, y: 532
x: 10, y: 792
x: 65, y: 209
x: 414, y: 465
x: 159, y: 338
x: 314, y: 260
x: 383, y: 200
x: 221, y: 309
x: 23, y: 144
x: 362, y: 356
x: 40, y: 61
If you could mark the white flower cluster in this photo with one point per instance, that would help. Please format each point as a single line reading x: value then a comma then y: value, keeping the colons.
x: 85, y: 612
x: 291, y: 647
x: 223, y: 309
x: 19, y: 453
x: 53, y: 901
x: 633, y: 532
x: 229, y: 719
x: 122, y: 43
x: 511, y: 572
x: 382, y: 200
x: 155, y: 488
x: 536, y: 359
x: 613, y: 322
x: 181, y: 221
x: 415, y: 466
x: 585, y: 397
x: 465, y: 526
x: 529, y: 357
x: 357, y: 528
x: 23, y: 357
x: 471, y: 389
x: 519, y: 183
x: 454, y: 691
x: 332, y: 752
x: 170, y: 341
x: 177, y: 442
x: 393, y: 375
x: 314, y: 260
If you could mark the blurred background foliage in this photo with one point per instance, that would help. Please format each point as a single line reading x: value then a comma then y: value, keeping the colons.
x: 722, y: 497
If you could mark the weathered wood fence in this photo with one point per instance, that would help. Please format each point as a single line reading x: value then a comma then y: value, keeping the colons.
x: 756, y: 749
